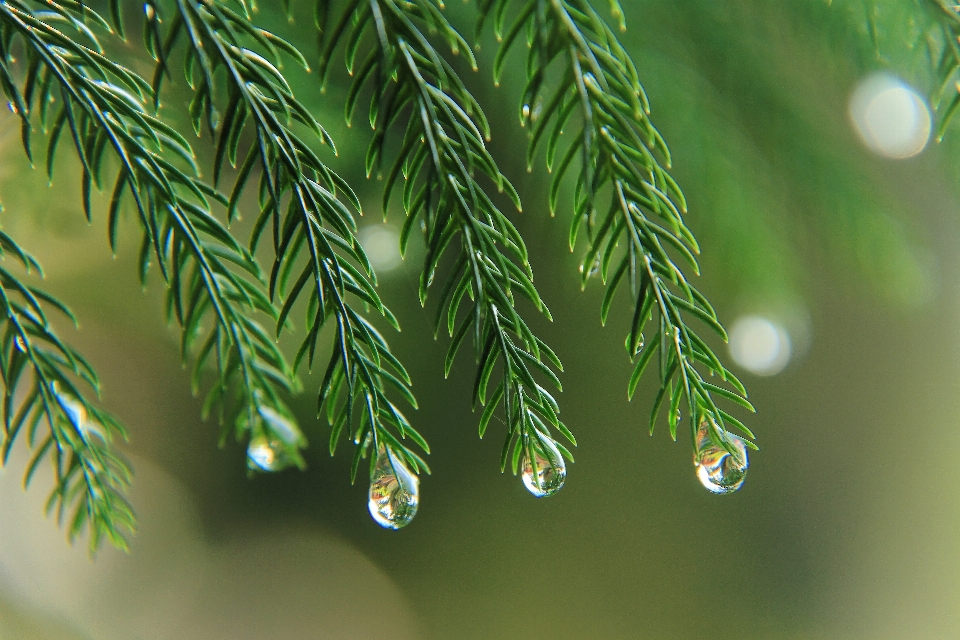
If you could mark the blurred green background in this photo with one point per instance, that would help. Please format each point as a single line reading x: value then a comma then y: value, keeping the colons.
x: 847, y: 524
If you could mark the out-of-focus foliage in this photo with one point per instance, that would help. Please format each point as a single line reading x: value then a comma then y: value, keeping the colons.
x: 44, y: 406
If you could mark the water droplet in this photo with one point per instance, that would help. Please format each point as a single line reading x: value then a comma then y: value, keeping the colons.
x: 75, y: 411
x: 594, y: 268
x: 281, y: 426
x: 550, y: 471
x: 718, y: 470
x: 21, y: 346
x: 394, y: 491
x: 274, y: 439
x: 149, y: 11
x: 526, y: 111
x: 12, y: 107
x: 264, y: 454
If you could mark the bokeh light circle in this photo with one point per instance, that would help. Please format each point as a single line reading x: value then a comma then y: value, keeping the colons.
x: 890, y: 117
x: 759, y: 345
x: 381, y: 243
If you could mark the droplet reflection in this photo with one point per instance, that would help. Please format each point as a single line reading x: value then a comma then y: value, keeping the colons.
x: 718, y: 470
x: 265, y: 454
x: 544, y: 475
x: 394, y: 491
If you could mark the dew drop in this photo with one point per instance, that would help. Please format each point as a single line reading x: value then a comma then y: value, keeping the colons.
x: 394, y: 491
x: 718, y: 470
x: 594, y: 268
x: 526, y: 111
x: 12, y: 107
x: 550, y: 470
x: 265, y: 454
x: 75, y: 411
x: 19, y: 344
x: 149, y: 11
x: 274, y: 441
x: 281, y: 426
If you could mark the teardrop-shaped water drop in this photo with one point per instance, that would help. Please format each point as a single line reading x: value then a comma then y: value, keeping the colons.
x: 718, y: 470
x: 550, y: 472
x: 75, y: 412
x: 394, y: 491
x: 149, y: 11
x: 265, y: 454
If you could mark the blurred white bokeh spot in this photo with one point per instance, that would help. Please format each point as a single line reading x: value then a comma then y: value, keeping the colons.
x: 759, y: 345
x: 891, y: 118
x: 381, y: 243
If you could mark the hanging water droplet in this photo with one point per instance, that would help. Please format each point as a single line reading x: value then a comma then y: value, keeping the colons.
x: 274, y: 439
x: 394, y: 491
x: 718, y: 470
x: 280, y: 425
x: 594, y: 268
x: 19, y: 344
x: 526, y: 111
x: 149, y: 11
x: 550, y: 470
x: 75, y: 411
x: 12, y: 107
x: 265, y: 454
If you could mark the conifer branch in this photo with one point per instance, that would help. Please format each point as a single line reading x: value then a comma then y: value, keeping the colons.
x: 308, y: 207
x: 39, y: 387
x: 622, y: 176
x: 442, y: 153
x: 209, y: 276
x: 943, y: 41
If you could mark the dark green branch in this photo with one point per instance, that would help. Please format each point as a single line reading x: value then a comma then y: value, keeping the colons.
x: 39, y: 387
x: 442, y: 153
x: 314, y: 232
x: 621, y: 189
x: 206, y: 270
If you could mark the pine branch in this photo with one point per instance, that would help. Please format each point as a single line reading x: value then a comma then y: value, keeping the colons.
x: 208, y: 274
x: 39, y: 372
x: 442, y: 153
x: 314, y: 232
x: 622, y: 175
x: 943, y: 41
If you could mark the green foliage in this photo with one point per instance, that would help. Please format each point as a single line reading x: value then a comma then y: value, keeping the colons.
x: 944, y: 46
x: 430, y: 147
x: 448, y: 175
x: 302, y: 202
x: 40, y: 389
x: 71, y: 85
x: 621, y: 189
